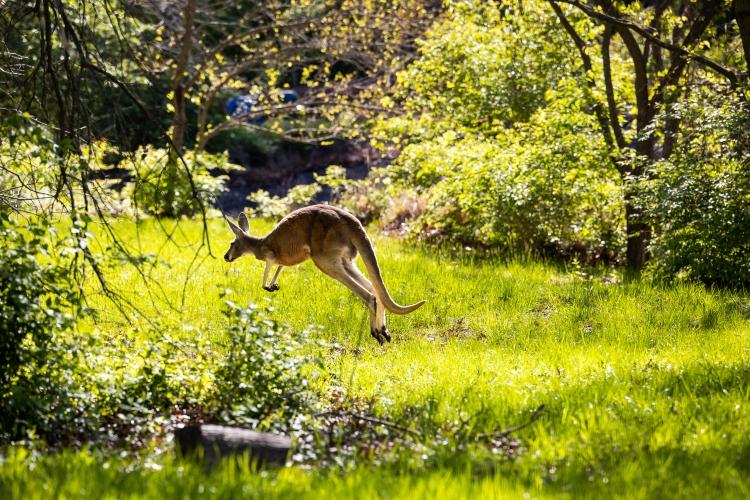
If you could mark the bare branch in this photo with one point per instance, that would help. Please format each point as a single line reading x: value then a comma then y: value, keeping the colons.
x: 586, y: 60
x: 680, y: 61
x: 609, y: 88
x: 719, y: 69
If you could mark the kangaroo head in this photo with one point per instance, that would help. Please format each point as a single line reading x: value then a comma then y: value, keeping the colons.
x: 242, y: 242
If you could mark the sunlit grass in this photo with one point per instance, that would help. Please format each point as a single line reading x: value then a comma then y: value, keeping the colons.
x: 646, y: 388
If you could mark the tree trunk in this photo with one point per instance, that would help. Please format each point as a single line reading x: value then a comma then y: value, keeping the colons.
x: 179, y: 121
x: 637, y: 230
x: 638, y: 235
x: 179, y: 124
x: 742, y: 16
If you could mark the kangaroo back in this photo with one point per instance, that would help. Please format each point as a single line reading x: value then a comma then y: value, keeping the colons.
x: 364, y: 247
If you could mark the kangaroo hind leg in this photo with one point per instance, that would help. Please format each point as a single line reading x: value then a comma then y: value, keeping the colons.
x: 335, y: 269
x: 351, y: 268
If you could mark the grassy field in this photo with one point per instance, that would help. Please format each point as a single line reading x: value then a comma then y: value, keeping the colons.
x: 646, y: 389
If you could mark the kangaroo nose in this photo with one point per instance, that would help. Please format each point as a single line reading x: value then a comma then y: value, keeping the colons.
x: 226, y: 257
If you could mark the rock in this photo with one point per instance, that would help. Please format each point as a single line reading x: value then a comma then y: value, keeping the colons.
x: 218, y: 441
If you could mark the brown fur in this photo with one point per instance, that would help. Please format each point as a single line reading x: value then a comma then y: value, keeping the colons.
x: 331, y: 237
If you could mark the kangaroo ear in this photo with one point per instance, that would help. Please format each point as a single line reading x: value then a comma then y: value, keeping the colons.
x: 235, y: 229
x: 244, y: 224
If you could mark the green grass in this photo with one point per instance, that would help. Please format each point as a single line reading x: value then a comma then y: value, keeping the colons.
x: 646, y: 388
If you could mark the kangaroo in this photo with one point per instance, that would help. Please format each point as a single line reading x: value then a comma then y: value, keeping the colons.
x: 331, y: 237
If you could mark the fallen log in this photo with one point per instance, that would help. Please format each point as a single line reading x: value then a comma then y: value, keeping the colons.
x: 211, y: 443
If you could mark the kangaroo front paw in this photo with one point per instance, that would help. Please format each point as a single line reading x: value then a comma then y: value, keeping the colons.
x: 271, y: 288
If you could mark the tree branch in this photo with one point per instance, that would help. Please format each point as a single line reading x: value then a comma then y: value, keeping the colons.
x: 586, y: 60
x: 609, y: 88
x: 727, y: 73
x: 641, y: 73
x: 86, y: 63
x: 680, y: 61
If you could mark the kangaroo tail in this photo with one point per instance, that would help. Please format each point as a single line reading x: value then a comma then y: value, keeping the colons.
x: 364, y: 247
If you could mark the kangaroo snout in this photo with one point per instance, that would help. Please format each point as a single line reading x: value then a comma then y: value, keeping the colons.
x: 227, y: 257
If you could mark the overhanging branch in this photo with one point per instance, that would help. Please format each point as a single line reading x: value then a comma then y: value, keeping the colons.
x: 586, y: 60
x: 719, y: 69
x: 609, y: 88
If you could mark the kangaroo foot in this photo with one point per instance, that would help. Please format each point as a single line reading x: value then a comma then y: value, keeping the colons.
x: 271, y: 288
x: 381, y: 335
x: 385, y: 333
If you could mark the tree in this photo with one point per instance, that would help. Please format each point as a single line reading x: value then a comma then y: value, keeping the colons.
x: 496, y: 139
x: 195, y: 53
x: 62, y: 61
x: 214, y: 48
x: 208, y: 50
x: 662, y: 42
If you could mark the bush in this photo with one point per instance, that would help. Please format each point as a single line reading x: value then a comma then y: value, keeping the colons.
x: 487, y: 65
x: 498, y: 143
x: 369, y: 199
x: 162, y: 183
x: 702, y: 223
x: 699, y: 200
x: 260, y: 382
x: 65, y: 388
x: 545, y: 186
x: 276, y: 207
x: 37, y: 306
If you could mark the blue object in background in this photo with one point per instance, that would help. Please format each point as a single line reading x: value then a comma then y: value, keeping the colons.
x: 242, y: 104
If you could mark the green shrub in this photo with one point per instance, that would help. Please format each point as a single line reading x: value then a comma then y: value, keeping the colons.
x: 703, y: 223
x: 699, y: 200
x: 163, y: 184
x: 545, y: 186
x: 365, y: 198
x: 37, y: 305
x: 485, y: 66
x: 498, y: 143
x: 370, y: 199
x: 276, y: 207
x: 261, y: 381
x: 64, y: 387
x: 242, y: 139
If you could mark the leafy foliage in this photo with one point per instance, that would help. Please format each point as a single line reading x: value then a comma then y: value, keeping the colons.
x: 369, y: 199
x: 700, y: 199
x: 261, y: 380
x: 65, y: 388
x: 502, y: 145
x: 487, y: 65
x: 38, y: 302
x: 276, y: 207
x: 169, y: 186
x: 520, y: 196
x: 31, y: 166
